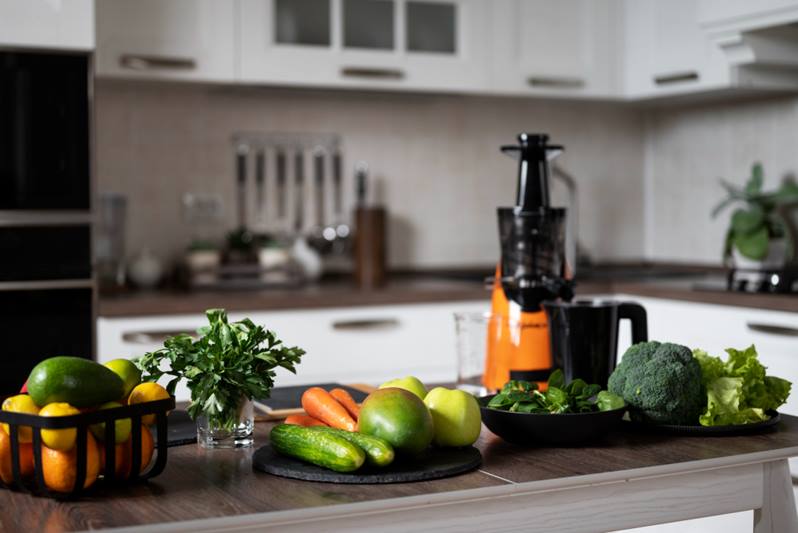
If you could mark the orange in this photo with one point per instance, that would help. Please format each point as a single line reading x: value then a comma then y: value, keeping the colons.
x: 60, y: 468
x: 25, y: 459
x: 119, y: 459
x: 21, y: 403
x: 147, y: 392
x: 123, y: 455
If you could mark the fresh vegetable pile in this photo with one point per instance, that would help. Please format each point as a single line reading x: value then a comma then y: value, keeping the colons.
x: 559, y: 398
x: 666, y: 383
x: 400, y: 418
x: 738, y: 390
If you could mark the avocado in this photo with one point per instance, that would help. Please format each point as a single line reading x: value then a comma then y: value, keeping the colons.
x: 74, y: 380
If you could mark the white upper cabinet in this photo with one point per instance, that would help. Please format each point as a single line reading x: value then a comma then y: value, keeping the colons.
x: 605, y: 49
x: 53, y: 24
x: 564, y: 48
x: 166, y: 39
x: 388, y: 44
x: 747, y: 14
x: 667, y: 52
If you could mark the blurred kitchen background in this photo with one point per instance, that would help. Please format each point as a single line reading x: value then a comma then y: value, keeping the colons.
x: 332, y: 167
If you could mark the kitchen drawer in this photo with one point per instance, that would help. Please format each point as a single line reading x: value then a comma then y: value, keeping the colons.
x: 356, y: 344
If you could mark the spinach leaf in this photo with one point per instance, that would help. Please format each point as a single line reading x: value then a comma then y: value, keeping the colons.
x: 560, y: 397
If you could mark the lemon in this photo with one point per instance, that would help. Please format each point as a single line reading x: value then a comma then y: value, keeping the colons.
x: 127, y: 371
x: 21, y: 403
x: 62, y: 440
x: 122, y: 425
x: 147, y: 392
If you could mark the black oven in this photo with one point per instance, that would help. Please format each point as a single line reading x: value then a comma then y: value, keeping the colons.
x: 47, y: 289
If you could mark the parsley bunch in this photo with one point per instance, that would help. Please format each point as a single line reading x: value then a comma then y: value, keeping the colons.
x: 229, y: 361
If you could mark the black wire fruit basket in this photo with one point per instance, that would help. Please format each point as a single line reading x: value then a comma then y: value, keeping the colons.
x: 82, y: 422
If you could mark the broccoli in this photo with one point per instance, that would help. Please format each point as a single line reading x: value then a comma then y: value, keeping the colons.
x: 661, y: 383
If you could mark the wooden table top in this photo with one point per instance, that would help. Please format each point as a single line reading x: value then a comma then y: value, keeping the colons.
x: 410, y: 291
x: 221, y: 483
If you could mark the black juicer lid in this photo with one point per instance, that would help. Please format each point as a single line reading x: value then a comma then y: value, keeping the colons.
x: 533, y: 153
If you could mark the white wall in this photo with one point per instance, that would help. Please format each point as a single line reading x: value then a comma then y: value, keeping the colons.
x: 438, y: 157
x: 688, y: 149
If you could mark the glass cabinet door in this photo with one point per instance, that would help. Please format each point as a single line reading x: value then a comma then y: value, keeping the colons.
x: 302, y: 22
x: 431, y: 27
x: 368, y: 24
x: 413, y: 44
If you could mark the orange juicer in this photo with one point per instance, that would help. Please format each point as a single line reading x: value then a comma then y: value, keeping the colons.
x: 532, y: 270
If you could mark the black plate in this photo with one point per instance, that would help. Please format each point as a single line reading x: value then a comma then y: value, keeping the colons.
x: 434, y: 464
x: 532, y: 429
x: 707, y: 431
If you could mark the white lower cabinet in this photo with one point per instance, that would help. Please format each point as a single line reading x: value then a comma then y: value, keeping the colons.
x: 349, y: 345
x: 715, y: 328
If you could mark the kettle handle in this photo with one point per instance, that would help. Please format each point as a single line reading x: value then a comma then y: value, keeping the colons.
x: 636, y: 313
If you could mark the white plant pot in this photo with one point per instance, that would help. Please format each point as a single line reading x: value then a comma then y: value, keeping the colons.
x: 776, y: 258
x: 203, y: 260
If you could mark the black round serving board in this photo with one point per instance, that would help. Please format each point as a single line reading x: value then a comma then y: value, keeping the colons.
x: 708, y: 431
x: 434, y: 464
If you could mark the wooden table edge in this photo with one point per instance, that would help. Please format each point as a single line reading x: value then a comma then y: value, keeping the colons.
x: 511, y: 489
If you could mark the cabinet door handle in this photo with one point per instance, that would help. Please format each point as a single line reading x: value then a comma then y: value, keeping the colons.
x: 366, y: 324
x: 145, y: 62
x: 676, y: 77
x: 555, y: 82
x: 150, y: 337
x: 773, y: 329
x: 373, y: 73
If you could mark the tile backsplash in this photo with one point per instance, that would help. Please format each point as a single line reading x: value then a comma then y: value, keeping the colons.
x: 688, y: 150
x: 436, y: 158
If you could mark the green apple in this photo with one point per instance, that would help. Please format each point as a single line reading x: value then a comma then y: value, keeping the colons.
x: 455, y: 415
x: 127, y: 371
x: 122, y: 426
x: 409, y: 383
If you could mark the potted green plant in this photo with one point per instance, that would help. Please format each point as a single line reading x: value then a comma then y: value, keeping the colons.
x: 757, y: 236
x: 230, y: 364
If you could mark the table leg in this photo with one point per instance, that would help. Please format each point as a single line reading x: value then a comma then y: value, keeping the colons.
x: 777, y: 514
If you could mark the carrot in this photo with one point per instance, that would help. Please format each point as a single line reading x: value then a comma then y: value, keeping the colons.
x: 345, y: 399
x: 304, y: 420
x: 319, y: 404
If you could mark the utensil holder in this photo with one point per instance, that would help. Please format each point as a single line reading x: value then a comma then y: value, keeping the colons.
x: 81, y: 422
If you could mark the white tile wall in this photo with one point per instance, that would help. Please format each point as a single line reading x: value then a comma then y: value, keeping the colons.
x: 437, y: 157
x: 688, y: 150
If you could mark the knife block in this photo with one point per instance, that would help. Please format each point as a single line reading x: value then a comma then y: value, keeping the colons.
x: 369, y: 247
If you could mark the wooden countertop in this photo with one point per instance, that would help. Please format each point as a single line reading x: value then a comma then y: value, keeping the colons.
x: 409, y: 291
x: 200, y: 484
x: 334, y: 294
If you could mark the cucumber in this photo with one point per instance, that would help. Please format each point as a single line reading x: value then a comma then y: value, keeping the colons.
x: 316, y: 447
x: 378, y: 451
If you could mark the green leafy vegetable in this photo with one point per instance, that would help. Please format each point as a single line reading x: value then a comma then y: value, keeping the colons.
x: 574, y: 397
x: 738, y: 390
x: 608, y: 401
x: 230, y: 360
x: 661, y: 383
